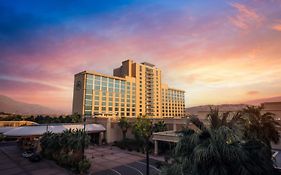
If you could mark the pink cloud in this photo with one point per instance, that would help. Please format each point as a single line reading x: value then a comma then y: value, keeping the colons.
x: 246, y: 17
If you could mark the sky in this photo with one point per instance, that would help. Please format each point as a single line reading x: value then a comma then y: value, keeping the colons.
x: 217, y: 51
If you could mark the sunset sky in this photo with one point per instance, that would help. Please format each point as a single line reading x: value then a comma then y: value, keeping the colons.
x: 217, y: 51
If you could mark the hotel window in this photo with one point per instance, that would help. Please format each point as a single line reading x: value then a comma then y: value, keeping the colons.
x: 89, y: 97
x: 96, y: 108
x: 110, y: 108
x: 103, y: 108
x: 88, y: 107
x: 97, y: 87
x: 104, y: 88
x: 88, y: 112
x: 116, y: 109
x: 88, y: 102
x: 89, y: 91
x: 97, y: 103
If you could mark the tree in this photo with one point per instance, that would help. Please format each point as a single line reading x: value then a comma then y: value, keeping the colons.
x: 124, y: 125
x: 160, y: 126
x: 261, y: 126
x: 218, y: 150
x: 143, y: 129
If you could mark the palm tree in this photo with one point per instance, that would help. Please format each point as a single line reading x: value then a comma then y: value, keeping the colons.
x: 143, y: 129
x: 218, y: 150
x: 124, y: 125
x: 261, y: 126
x: 160, y: 126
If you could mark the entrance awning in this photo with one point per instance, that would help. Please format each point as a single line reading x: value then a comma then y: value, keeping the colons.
x: 39, y: 130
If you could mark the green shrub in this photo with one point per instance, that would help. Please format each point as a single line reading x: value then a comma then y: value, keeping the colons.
x: 66, y: 149
x: 83, y: 166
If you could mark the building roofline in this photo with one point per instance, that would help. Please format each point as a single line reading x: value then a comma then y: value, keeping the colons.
x: 100, y: 74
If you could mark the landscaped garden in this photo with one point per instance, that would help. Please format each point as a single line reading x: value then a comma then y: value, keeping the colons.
x: 236, y: 144
x: 228, y: 144
x: 67, y: 149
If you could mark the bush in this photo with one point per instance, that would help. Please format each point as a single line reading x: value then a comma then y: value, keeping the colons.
x: 83, y: 166
x: 66, y: 149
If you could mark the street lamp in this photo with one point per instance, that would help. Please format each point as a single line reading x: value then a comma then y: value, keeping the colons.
x: 84, y: 132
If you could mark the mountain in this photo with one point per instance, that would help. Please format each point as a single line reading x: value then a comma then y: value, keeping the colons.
x: 10, y: 105
x: 232, y: 107
x: 222, y: 107
x: 262, y: 100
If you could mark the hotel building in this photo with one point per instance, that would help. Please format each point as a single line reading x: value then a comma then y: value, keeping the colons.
x: 134, y: 89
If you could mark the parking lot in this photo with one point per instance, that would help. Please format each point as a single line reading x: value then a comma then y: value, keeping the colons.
x: 114, y: 161
x: 106, y: 160
x: 12, y: 163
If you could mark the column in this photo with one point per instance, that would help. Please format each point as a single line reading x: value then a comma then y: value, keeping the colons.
x: 101, y: 136
x: 155, y: 147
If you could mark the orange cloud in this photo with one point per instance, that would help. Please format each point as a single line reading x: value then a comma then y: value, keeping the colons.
x: 253, y: 92
x: 246, y: 17
x: 277, y: 27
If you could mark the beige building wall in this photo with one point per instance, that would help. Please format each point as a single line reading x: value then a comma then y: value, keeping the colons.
x: 173, y: 102
x: 78, y: 94
x: 140, y: 93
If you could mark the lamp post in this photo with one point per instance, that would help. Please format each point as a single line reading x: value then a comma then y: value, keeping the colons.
x: 84, y: 132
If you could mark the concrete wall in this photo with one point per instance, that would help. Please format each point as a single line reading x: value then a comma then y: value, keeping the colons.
x: 114, y: 132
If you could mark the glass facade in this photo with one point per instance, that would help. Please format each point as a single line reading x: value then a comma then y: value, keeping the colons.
x: 106, y: 95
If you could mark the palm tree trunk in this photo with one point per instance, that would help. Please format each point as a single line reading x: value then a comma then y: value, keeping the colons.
x: 147, y: 158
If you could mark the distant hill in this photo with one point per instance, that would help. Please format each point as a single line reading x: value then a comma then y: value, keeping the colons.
x: 232, y: 107
x: 262, y: 100
x: 9, y: 105
x: 222, y: 107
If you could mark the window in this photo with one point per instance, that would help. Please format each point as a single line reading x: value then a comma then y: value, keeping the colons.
x: 89, y: 91
x: 88, y: 107
x: 89, y: 97
x: 88, y: 102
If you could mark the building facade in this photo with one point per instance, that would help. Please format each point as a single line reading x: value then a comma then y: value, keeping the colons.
x: 134, y: 89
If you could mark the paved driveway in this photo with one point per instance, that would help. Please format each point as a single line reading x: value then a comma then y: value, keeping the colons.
x: 114, y: 161
x: 12, y: 163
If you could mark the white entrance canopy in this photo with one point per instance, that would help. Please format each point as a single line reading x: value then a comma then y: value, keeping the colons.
x: 39, y: 130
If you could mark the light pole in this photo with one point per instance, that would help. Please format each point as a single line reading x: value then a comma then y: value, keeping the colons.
x: 84, y: 132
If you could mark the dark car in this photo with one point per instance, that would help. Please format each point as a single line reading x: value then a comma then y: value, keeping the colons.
x: 35, y: 158
x: 27, y: 154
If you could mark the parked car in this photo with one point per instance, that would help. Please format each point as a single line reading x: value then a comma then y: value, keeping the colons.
x: 35, y: 158
x: 27, y: 154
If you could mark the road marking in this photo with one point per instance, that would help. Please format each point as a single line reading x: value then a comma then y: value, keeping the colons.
x: 134, y: 169
x: 149, y: 166
x: 115, y: 171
